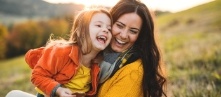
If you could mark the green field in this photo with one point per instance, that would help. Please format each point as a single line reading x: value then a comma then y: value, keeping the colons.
x: 191, y: 48
x: 15, y: 74
x: 190, y: 42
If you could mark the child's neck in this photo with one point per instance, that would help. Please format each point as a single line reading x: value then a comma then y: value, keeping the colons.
x: 86, y: 59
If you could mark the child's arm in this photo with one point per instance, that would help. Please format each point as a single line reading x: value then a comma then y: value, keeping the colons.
x: 47, y: 67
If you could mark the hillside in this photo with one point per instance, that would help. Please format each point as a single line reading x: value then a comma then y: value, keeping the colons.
x: 190, y: 42
x: 30, y: 9
x: 202, y: 18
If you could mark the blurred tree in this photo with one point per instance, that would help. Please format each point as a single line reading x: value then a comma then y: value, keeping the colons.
x: 3, y: 35
x: 24, y: 37
x: 58, y: 27
x: 33, y: 34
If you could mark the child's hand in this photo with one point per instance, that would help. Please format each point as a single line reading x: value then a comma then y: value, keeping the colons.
x: 64, y: 92
x: 79, y: 94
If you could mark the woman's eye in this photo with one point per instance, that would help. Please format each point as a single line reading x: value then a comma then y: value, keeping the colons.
x: 119, y: 26
x: 109, y: 30
x: 133, y: 32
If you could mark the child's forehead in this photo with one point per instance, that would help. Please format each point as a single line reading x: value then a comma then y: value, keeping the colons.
x: 101, y: 17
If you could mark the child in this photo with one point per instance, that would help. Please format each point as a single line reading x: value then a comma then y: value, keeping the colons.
x: 66, y: 67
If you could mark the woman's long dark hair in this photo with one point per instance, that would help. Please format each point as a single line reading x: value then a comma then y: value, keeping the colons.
x: 153, y: 81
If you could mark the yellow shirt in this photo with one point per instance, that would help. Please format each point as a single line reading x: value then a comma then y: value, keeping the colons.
x: 79, y: 83
x: 126, y: 82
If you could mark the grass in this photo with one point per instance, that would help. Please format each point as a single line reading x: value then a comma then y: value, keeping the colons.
x: 193, y: 63
x: 190, y: 42
x: 15, y: 74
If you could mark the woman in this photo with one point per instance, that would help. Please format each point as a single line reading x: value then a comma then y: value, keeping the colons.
x: 132, y: 67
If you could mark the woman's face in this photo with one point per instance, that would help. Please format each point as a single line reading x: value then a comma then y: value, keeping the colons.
x: 125, y: 31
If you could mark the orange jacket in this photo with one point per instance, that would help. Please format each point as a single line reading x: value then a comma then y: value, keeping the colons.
x: 57, y: 65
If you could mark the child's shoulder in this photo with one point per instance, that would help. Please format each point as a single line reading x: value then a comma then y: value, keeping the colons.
x: 59, y: 49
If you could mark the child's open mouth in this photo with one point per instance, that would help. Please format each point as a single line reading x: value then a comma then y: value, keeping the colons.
x: 102, y: 38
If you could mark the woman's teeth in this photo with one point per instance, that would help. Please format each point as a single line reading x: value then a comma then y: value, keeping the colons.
x: 120, y: 42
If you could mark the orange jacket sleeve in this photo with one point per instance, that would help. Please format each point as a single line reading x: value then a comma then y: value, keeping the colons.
x: 32, y: 56
x: 50, y: 63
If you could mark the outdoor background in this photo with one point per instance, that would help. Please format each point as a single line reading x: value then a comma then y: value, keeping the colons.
x: 190, y: 42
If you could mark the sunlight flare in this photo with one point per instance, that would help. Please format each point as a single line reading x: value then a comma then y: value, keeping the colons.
x: 164, y: 5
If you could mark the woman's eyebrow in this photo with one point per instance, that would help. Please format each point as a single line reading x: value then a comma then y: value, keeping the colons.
x: 125, y: 25
x: 120, y: 23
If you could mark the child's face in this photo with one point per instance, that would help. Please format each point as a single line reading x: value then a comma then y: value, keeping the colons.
x: 100, y: 31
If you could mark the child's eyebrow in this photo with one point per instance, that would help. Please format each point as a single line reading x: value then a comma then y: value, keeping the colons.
x: 102, y: 23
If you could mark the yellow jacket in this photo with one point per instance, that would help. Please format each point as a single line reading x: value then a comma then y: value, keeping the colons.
x: 126, y: 82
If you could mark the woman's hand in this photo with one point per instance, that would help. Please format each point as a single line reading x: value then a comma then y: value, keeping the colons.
x: 64, y: 92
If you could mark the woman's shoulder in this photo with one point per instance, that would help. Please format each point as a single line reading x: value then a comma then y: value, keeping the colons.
x: 135, y: 66
x: 130, y: 71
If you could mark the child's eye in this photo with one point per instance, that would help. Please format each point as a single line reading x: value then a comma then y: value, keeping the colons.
x: 98, y: 25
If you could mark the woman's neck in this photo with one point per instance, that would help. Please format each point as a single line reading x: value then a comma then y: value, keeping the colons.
x: 86, y: 59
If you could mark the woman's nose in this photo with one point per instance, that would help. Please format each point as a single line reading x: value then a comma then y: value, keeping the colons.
x: 123, y: 34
